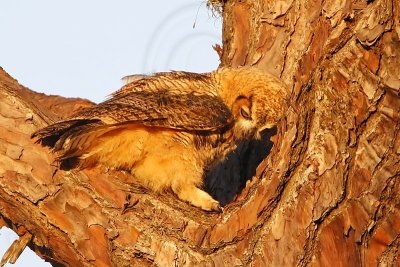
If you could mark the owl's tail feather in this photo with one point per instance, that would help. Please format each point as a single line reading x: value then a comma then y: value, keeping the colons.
x: 53, y: 133
x: 70, y: 139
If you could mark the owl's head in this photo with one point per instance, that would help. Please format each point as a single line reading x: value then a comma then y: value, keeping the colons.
x: 256, y: 98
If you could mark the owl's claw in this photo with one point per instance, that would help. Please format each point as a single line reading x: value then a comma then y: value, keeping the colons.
x: 198, y: 198
x: 218, y: 208
x: 214, y: 206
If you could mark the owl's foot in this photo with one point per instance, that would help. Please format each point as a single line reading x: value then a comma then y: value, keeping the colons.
x: 198, y: 198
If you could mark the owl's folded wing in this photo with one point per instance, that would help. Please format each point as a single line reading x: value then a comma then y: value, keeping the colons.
x: 187, y: 112
x: 176, y: 82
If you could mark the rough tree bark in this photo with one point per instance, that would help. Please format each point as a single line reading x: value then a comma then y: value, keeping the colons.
x: 327, y: 193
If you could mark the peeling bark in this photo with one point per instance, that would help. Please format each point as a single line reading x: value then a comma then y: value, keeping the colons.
x: 328, y: 192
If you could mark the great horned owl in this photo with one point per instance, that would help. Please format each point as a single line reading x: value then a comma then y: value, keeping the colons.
x: 166, y: 129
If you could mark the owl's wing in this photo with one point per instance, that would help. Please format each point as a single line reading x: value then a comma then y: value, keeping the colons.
x: 188, y: 112
x: 177, y: 82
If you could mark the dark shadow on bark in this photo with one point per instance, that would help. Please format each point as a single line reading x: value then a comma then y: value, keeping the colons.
x: 229, y: 177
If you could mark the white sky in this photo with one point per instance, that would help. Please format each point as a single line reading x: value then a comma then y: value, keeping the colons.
x: 82, y: 49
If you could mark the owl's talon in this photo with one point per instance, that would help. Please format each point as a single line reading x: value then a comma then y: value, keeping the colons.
x: 213, y: 206
x: 198, y: 198
x: 217, y: 208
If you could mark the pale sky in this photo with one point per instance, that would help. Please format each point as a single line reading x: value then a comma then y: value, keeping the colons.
x: 83, y: 48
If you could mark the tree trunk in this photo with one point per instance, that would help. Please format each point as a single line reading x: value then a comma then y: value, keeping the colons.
x: 327, y: 194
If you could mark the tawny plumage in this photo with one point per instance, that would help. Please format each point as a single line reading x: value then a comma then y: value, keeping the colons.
x: 166, y: 129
